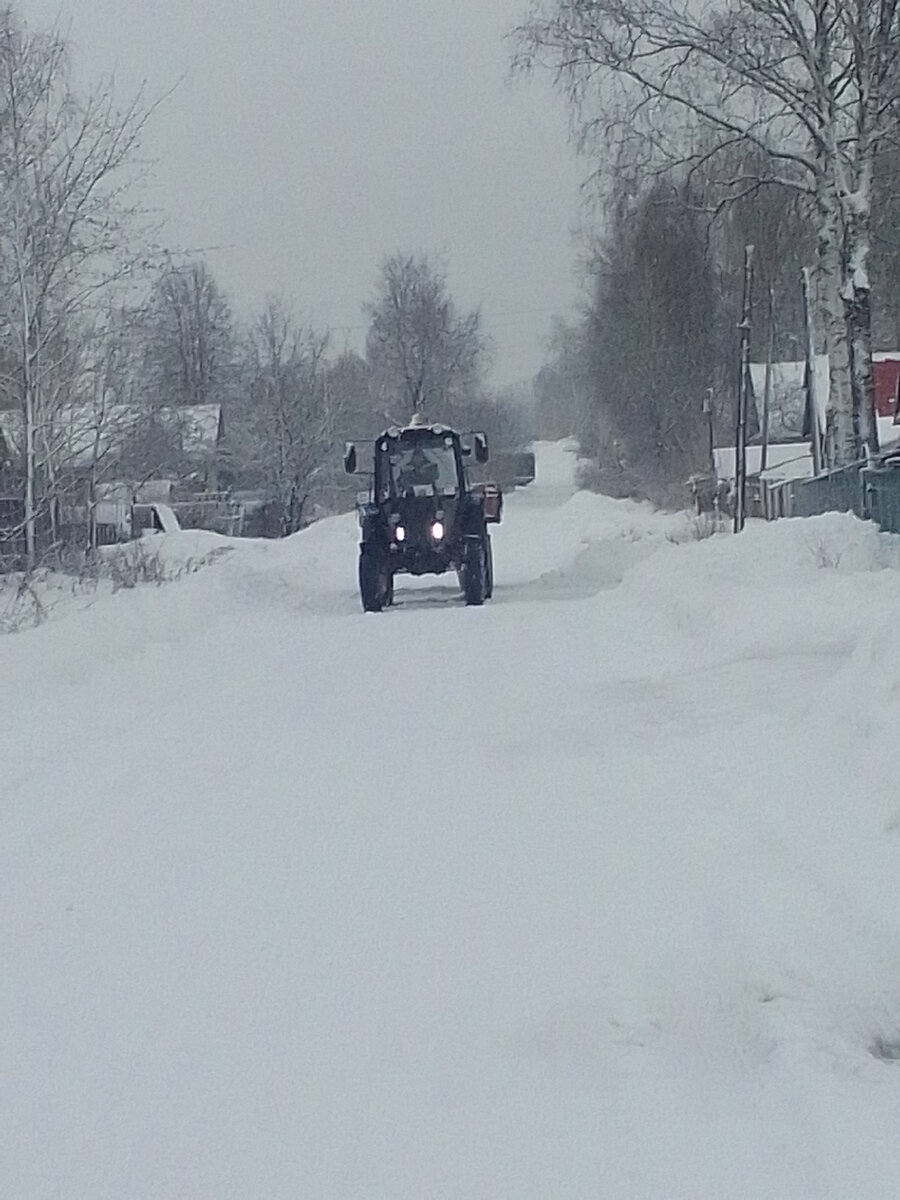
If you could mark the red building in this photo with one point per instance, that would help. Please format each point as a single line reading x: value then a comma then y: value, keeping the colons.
x: 886, y: 369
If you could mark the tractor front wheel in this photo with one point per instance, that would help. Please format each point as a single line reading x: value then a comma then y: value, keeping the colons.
x: 375, y: 580
x: 474, y: 571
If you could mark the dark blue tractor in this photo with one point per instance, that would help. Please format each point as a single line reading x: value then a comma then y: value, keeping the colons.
x: 421, y: 515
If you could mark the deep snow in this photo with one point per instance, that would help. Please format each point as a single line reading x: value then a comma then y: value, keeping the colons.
x: 591, y: 892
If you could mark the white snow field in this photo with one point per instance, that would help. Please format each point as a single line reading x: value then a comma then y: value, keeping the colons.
x: 591, y: 892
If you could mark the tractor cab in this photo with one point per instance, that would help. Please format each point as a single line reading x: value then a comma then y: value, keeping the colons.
x: 419, y: 462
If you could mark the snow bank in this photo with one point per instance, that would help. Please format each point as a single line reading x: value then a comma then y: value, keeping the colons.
x: 777, y: 588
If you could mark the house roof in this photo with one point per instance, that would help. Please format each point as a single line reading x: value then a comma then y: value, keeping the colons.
x: 791, y: 460
x: 78, y: 430
x: 787, y: 408
x: 788, y: 405
x: 785, y: 460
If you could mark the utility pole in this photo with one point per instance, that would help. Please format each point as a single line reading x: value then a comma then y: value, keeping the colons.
x: 740, y: 441
x: 767, y: 386
x: 812, y: 399
x: 710, y: 431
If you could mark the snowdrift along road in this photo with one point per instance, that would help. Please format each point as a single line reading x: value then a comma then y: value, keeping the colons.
x: 591, y: 892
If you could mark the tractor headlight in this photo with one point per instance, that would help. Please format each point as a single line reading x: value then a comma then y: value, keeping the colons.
x: 437, y: 531
x: 400, y: 533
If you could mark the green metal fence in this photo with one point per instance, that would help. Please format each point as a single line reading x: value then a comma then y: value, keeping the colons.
x: 873, y: 493
x: 882, y: 494
x: 836, y: 491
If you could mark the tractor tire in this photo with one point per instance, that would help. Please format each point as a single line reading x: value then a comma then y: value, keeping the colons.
x: 474, y: 571
x: 375, y: 580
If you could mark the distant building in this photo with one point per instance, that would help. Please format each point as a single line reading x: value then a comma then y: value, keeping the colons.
x: 103, y: 462
x: 789, y: 428
x: 186, y: 442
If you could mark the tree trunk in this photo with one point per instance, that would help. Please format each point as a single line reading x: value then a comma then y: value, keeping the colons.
x: 841, y: 439
x: 859, y: 325
x: 29, y: 407
x: 30, y: 549
x: 856, y: 294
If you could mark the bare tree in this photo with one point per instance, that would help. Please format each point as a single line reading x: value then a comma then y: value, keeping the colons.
x: 811, y: 84
x: 64, y: 232
x: 422, y: 351
x: 563, y: 392
x: 285, y: 436
x: 190, y: 343
x: 651, y: 355
x: 352, y: 399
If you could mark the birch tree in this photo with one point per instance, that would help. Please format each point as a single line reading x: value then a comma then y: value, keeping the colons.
x: 64, y: 225
x: 811, y: 84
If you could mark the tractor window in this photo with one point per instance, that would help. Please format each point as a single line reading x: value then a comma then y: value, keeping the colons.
x: 431, y: 465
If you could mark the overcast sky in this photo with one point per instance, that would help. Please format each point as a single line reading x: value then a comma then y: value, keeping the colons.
x: 306, y: 140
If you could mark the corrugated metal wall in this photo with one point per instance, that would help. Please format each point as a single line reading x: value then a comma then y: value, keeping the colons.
x: 873, y: 493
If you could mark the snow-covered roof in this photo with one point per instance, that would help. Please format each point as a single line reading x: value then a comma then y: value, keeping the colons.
x: 784, y: 460
x: 76, y: 431
x: 800, y: 467
x: 787, y: 409
x: 791, y: 460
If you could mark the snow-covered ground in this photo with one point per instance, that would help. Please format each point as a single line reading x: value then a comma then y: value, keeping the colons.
x: 592, y: 892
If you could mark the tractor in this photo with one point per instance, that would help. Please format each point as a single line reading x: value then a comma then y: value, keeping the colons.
x: 421, y: 515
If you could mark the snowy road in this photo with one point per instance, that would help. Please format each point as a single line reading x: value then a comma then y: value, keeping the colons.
x: 589, y: 893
